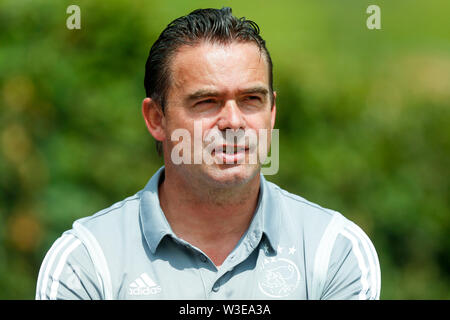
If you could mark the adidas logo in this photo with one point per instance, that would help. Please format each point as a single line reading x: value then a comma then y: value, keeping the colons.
x: 143, y: 285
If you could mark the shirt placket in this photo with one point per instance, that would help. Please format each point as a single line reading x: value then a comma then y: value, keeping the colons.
x: 239, y: 255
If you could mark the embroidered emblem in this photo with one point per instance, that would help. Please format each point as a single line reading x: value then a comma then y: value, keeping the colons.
x: 280, y: 276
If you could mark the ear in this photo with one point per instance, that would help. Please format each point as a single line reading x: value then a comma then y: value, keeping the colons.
x: 154, y: 119
x: 273, y: 110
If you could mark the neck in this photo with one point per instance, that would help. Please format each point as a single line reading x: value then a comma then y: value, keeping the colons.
x: 212, y: 219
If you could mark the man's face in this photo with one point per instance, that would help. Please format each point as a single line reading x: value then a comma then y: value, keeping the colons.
x: 221, y: 87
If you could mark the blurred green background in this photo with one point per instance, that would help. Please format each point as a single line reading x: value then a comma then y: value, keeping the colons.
x: 364, y: 119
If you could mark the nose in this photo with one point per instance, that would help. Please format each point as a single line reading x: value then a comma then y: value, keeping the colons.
x: 231, y: 117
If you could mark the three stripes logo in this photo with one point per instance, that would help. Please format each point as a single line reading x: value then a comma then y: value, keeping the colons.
x: 143, y: 286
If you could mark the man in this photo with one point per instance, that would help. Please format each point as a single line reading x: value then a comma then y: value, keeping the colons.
x: 211, y: 230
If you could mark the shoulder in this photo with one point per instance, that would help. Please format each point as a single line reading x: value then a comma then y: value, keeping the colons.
x: 325, y: 223
x: 334, y: 245
x: 67, y: 264
x: 300, y: 211
x: 114, y: 220
x: 101, y: 238
x: 110, y: 232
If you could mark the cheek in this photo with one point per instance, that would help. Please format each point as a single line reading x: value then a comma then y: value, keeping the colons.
x: 195, y: 129
x: 176, y: 120
x: 263, y: 128
x: 260, y: 121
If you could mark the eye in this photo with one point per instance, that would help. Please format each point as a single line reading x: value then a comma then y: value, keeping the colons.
x: 207, y: 101
x: 206, y: 105
x: 253, y: 99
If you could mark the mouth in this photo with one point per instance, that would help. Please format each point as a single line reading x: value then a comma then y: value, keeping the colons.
x: 229, y: 149
x: 230, y: 154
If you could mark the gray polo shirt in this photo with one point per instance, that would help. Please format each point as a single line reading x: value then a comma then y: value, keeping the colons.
x: 293, y: 249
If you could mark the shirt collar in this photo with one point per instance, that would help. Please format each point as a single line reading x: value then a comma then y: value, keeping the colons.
x: 155, y: 225
x: 267, y: 215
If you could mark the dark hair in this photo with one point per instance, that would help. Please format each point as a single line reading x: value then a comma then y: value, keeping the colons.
x: 212, y: 25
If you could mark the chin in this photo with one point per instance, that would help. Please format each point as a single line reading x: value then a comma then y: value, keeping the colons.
x: 229, y: 175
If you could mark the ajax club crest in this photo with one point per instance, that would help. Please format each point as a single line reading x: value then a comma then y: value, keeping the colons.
x: 280, y: 275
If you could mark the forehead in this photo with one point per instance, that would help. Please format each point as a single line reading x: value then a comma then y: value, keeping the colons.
x: 218, y: 66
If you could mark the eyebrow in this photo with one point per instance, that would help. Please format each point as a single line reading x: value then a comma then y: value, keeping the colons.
x: 203, y: 93
x: 260, y: 90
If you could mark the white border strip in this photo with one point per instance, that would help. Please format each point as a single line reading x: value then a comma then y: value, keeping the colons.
x: 372, y: 257
x: 323, y: 253
x: 361, y: 264
x: 59, y: 268
x: 51, y: 256
x: 98, y: 259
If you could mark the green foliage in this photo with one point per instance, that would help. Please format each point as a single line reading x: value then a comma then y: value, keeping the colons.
x: 364, y: 119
